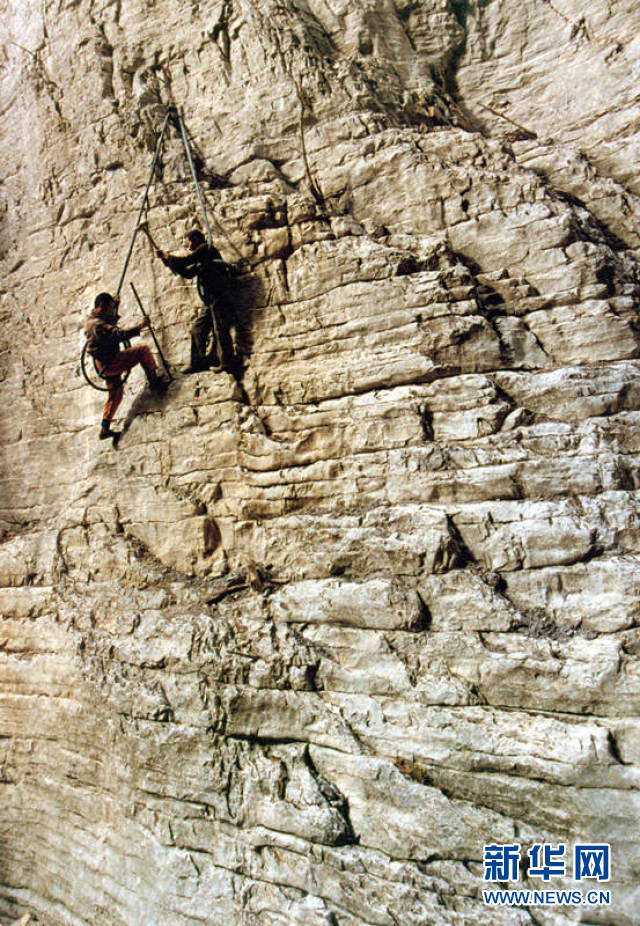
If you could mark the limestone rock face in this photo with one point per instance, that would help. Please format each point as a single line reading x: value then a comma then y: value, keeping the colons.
x: 310, y: 638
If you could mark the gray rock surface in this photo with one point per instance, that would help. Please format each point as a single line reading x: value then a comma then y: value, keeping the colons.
x: 306, y: 642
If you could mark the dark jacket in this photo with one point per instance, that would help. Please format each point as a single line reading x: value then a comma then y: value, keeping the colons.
x: 104, y: 338
x: 207, y: 265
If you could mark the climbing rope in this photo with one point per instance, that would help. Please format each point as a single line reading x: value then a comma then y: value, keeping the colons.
x: 90, y: 372
x: 187, y: 148
x: 151, y: 331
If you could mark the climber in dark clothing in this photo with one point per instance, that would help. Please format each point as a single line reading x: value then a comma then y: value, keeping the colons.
x: 205, y: 263
x: 103, y: 344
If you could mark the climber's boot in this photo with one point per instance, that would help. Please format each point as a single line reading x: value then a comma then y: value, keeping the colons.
x: 157, y: 384
x: 106, y: 432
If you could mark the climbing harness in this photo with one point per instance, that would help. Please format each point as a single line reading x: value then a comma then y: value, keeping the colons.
x: 176, y: 117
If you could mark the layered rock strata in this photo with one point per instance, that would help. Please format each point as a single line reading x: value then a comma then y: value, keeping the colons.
x: 308, y: 640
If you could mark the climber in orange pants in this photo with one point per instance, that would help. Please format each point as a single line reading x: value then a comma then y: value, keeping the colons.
x: 103, y: 344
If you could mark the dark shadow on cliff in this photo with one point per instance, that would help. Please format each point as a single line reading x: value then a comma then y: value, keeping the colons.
x: 145, y: 402
x: 237, y: 300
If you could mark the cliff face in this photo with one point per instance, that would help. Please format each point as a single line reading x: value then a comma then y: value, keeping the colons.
x: 306, y: 642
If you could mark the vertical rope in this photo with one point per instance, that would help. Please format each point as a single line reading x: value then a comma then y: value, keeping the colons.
x: 170, y: 109
x: 152, y: 332
x: 187, y: 148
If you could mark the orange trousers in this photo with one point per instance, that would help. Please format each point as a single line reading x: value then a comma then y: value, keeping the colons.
x: 126, y: 360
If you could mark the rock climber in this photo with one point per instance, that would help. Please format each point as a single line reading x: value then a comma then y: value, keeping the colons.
x: 205, y: 263
x: 103, y: 344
